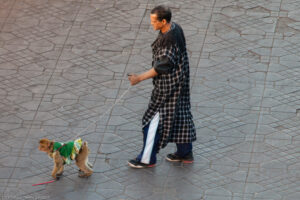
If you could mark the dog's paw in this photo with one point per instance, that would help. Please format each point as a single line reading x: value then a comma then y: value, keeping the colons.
x: 83, y: 175
x: 58, y: 176
x: 80, y: 172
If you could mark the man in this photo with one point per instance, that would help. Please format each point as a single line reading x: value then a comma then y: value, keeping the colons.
x: 168, y: 117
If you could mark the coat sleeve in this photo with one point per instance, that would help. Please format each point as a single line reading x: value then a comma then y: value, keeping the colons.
x: 166, y: 60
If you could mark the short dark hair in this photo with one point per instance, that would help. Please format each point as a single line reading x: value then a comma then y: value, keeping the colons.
x: 162, y: 12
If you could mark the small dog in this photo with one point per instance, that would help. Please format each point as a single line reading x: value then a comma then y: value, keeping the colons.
x: 63, y: 153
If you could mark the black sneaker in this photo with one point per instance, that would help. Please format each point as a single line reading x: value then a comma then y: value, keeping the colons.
x: 189, y: 158
x: 136, y: 164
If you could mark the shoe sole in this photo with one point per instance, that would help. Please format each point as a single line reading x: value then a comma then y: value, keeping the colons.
x: 140, y: 167
x: 187, y: 161
x: 183, y: 161
x: 170, y: 160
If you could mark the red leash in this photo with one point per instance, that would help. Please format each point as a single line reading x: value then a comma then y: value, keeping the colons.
x: 52, y: 180
x: 43, y: 183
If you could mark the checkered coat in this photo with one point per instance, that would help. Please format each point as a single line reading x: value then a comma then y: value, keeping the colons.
x: 171, y: 94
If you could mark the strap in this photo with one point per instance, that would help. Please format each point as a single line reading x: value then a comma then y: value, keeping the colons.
x: 60, y: 147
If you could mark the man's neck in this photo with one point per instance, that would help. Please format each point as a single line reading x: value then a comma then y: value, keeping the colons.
x: 166, y: 28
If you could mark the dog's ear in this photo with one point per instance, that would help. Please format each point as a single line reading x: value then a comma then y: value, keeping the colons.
x: 44, y: 141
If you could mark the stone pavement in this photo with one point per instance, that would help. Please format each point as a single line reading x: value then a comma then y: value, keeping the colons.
x: 63, y: 64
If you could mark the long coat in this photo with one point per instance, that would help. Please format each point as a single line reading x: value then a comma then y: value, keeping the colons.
x: 171, y: 93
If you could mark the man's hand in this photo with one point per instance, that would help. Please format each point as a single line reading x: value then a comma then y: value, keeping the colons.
x: 134, y: 79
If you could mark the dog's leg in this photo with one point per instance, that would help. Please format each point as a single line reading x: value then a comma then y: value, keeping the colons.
x: 58, y: 164
x: 60, y: 171
x: 89, y: 164
x: 82, y: 161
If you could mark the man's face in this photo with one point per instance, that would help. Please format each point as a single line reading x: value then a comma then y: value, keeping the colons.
x: 156, y: 24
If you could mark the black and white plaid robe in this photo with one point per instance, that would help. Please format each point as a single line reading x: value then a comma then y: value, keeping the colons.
x: 171, y: 94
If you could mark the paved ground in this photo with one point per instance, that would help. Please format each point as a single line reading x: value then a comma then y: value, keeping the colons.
x: 63, y: 63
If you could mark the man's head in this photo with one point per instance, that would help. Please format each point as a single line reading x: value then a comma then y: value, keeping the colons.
x: 160, y: 17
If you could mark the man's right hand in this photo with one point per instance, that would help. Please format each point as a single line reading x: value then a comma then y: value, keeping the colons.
x: 134, y: 79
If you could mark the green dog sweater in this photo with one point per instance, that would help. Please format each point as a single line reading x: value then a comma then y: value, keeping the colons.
x: 68, y: 150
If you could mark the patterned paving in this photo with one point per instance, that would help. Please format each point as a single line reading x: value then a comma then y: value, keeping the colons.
x: 64, y: 65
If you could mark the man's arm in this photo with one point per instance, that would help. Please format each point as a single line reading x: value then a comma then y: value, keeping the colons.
x: 135, y: 79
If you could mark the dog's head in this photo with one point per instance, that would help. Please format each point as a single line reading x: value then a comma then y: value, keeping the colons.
x: 46, y: 145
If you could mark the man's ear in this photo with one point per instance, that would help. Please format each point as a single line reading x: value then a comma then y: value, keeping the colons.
x: 164, y: 21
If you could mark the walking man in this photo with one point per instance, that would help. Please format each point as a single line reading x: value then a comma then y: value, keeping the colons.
x: 168, y: 117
